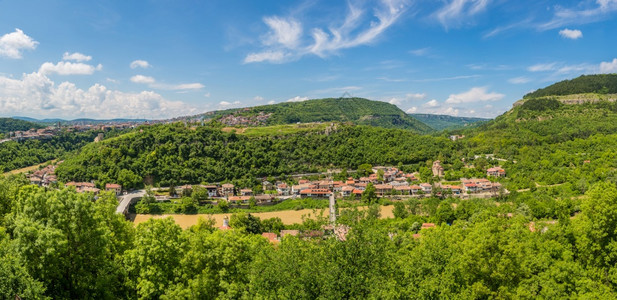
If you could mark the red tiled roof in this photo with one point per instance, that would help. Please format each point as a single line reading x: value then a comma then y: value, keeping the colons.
x: 428, y: 225
x: 271, y: 236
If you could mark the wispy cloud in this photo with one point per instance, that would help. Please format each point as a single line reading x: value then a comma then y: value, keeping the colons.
x: 12, y: 44
x: 445, y: 78
x: 153, y: 83
x: 286, y: 41
x: 542, y: 67
x: 559, y: 70
x: 454, y: 12
x: 335, y: 91
x: 584, y: 13
x: 519, y: 80
x: 421, y: 52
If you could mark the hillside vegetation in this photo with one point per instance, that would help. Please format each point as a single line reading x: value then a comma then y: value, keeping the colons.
x: 441, y: 122
x: 599, y: 83
x: 176, y: 153
x: 355, y: 110
x: 9, y: 124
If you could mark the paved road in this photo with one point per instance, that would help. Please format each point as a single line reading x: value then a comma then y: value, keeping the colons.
x: 125, y: 201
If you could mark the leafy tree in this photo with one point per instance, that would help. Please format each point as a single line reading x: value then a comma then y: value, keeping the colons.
x: 152, y: 264
x: 250, y: 223
x: 400, y: 210
x: 16, y: 281
x: 369, y: 195
x: 69, y: 242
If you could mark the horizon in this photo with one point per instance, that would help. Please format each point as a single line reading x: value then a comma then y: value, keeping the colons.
x: 158, y: 61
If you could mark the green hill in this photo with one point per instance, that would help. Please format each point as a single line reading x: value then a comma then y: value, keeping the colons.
x: 598, y: 84
x: 9, y: 124
x: 355, y: 110
x: 441, y: 122
x: 175, y: 153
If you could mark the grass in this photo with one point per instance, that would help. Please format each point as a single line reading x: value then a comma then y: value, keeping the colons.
x: 283, y: 129
x: 30, y: 168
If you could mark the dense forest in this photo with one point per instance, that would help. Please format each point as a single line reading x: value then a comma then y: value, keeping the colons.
x: 356, y: 110
x: 58, y: 244
x: 8, y: 125
x: 20, y: 154
x: 599, y: 83
x: 442, y: 122
x: 180, y: 154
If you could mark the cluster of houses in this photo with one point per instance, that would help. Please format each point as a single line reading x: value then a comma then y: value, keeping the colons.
x: 83, y: 187
x: 44, y: 177
x: 51, y: 131
x: 392, y: 182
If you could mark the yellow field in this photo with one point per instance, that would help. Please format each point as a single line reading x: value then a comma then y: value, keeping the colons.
x: 287, y: 216
x: 28, y: 169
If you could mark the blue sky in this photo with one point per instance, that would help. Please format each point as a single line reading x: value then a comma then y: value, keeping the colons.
x: 161, y: 59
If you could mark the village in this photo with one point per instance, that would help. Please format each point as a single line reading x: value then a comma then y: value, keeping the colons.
x: 388, y: 182
x: 51, y: 131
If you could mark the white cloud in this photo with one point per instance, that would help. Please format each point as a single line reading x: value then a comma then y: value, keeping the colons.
x: 181, y: 86
x: 415, y: 96
x: 140, y: 64
x: 207, y: 95
x: 609, y: 67
x: 519, y: 80
x: 571, y: 34
x: 475, y: 94
x: 227, y: 104
x: 68, y: 68
x: 142, y: 79
x: 76, y: 56
x: 284, y: 32
x: 37, y: 95
x: 412, y: 110
x: 270, y: 56
x: 542, y: 67
x: 284, y: 41
x: 395, y: 101
x: 258, y: 98
x: 151, y: 82
x: 457, y: 11
x: 432, y: 103
x: 12, y: 44
x: 271, y: 102
x: 297, y: 99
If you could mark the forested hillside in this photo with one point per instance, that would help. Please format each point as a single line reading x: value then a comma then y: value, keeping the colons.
x: 356, y: 110
x: 180, y: 154
x: 599, y: 83
x: 441, y: 122
x: 9, y: 124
